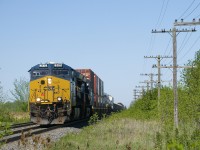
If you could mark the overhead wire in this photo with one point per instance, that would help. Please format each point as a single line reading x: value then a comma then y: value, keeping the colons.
x: 164, y: 7
x: 159, y: 22
x: 186, y: 38
x: 167, y: 54
x: 192, y: 10
x: 160, y: 19
x: 167, y: 48
x: 160, y: 13
x: 187, y: 9
x: 184, y: 42
x: 164, y: 12
x: 190, y: 48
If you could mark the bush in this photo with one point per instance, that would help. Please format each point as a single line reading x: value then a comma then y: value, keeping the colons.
x: 93, y: 119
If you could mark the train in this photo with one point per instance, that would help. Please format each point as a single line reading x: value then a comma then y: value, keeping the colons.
x: 59, y: 94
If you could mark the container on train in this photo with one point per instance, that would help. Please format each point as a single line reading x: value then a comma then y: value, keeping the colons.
x: 96, y: 84
x: 89, y: 74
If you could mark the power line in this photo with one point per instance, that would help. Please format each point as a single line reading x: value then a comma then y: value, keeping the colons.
x: 190, y: 48
x: 193, y: 10
x: 164, y: 11
x: 186, y: 9
x: 182, y: 45
x: 160, y: 13
x: 184, y: 42
x: 164, y: 7
x: 167, y: 46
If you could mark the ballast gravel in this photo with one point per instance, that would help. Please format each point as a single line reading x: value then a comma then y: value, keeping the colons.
x: 41, y: 141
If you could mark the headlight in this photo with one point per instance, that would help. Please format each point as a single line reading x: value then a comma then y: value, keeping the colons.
x: 59, y: 98
x: 38, y: 99
x: 49, y: 80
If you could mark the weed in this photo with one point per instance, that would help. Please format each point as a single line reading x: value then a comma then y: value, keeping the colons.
x: 93, y: 119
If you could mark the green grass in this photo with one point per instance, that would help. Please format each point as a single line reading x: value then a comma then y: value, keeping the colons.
x: 112, y: 133
x: 121, y: 131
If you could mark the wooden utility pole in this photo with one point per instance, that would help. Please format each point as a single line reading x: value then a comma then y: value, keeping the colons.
x: 147, y: 82
x: 173, y: 33
x: 136, y: 94
x: 143, y: 91
x: 151, y: 78
x: 158, y: 58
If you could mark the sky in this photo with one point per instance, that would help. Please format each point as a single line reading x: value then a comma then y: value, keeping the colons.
x: 111, y: 37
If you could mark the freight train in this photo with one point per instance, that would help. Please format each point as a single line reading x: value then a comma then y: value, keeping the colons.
x: 59, y: 93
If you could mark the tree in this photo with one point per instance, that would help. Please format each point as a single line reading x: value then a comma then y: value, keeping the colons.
x: 21, y: 90
x: 21, y: 94
x: 191, y: 81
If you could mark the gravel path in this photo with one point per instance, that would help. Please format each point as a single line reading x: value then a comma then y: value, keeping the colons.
x: 39, y: 142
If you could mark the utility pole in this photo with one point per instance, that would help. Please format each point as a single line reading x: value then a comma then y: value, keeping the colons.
x: 158, y: 58
x: 143, y: 91
x: 173, y: 33
x: 151, y: 78
x: 147, y: 82
x: 135, y: 94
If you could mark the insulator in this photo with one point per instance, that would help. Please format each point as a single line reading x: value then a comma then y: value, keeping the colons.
x: 193, y: 20
x: 181, y: 20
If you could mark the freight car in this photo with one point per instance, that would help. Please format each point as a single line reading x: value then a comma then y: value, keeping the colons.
x: 59, y: 93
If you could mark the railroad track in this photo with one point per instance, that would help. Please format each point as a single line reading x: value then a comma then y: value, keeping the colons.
x: 21, y: 125
x: 35, y: 130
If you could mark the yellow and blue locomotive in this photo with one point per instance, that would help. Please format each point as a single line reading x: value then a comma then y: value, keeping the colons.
x: 58, y: 94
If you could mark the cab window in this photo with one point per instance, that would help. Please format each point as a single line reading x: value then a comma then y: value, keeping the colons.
x: 38, y: 73
x: 60, y: 72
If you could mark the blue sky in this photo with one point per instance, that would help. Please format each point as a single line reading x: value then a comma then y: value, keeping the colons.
x: 109, y: 36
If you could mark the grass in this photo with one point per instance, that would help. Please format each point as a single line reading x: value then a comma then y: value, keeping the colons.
x: 112, y: 133
x: 20, y: 117
x: 9, y: 118
x: 123, y: 132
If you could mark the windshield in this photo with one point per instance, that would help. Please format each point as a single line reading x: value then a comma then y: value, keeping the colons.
x: 60, y: 72
x: 35, y: 74
x: 39, y: 73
